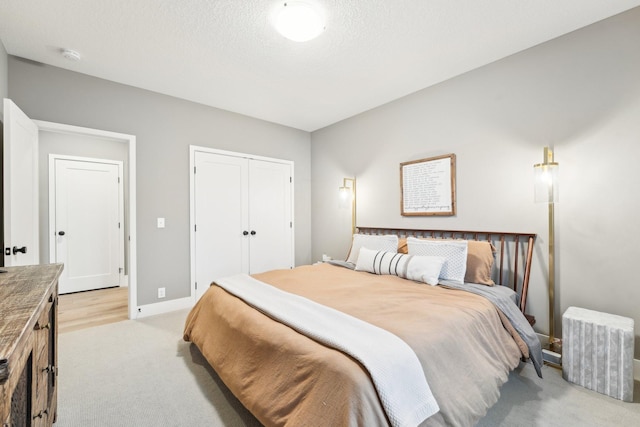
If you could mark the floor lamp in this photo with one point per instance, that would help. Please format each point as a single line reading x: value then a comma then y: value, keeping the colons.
x: 546, y: 191
x: 348, y: 192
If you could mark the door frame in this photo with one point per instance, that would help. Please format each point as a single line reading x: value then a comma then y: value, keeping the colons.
x: 192, y: 200
x: 130, y: 140
x: 52, y: 197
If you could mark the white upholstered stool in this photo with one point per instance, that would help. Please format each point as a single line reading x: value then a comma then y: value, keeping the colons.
x: 597, y: 352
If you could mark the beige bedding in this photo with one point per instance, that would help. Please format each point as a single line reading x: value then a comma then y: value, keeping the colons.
x: 285, y: 378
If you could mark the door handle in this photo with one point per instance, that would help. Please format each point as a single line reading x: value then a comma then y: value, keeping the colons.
x: 60, y: 233
x: 245, y: 232
x: 253, y: 232
x: 16, y: 249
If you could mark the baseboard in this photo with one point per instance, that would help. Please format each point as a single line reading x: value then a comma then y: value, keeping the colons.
x: 636, y: 362
x: 164, y: 307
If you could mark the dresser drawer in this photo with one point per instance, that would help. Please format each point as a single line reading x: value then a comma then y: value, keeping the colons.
x: 42, y: 328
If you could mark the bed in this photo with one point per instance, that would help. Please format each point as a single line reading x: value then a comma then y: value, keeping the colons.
x: 463, y: 338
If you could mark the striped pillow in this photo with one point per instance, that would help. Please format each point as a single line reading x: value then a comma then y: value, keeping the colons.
x: 419, y: 268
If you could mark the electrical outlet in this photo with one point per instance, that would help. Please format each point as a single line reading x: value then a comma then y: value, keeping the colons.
x: 161, y: 293
x: 160, y: 223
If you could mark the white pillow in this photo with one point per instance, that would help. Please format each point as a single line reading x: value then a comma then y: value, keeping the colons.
x: 387, y: 243
x: 455, y: 252
x: 419, y: 268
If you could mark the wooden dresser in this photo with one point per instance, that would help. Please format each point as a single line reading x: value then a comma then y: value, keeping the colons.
x: 28, y: 345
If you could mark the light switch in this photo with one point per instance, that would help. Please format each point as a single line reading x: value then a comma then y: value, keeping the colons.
x: 160, y: 222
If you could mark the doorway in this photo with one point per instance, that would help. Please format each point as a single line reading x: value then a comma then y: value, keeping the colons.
x: 77, y: 141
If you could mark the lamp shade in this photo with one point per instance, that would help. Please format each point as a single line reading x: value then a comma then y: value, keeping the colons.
x: 545, y: 177
x: 348, y: 197
x: 546, y: 183
x: 345, y: 197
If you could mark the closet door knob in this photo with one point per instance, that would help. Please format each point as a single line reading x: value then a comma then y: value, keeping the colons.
x: 16, y: 249
x: 60, y: 233
x: 245, y: 232
x: 253, y: 232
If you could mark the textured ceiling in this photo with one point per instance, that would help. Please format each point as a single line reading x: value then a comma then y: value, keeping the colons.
x: 226, y: 53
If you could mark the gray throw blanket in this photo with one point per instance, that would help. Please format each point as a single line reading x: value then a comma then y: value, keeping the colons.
x: 513, y: 313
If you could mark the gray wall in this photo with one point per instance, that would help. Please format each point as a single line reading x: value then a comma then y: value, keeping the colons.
x: 579, y: 93
x: 164, y: 127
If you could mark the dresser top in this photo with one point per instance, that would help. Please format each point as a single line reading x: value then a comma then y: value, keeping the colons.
x: 22, y: 291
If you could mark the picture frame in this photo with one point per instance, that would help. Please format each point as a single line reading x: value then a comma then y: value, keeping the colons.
x: 428, y: 186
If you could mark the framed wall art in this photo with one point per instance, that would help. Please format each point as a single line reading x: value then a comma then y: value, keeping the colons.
x: 428, y: 186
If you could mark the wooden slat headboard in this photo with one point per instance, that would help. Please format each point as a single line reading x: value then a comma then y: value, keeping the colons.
x: 514, y: 252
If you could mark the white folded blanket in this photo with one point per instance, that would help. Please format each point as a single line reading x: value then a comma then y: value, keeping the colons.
x: 394, y: 367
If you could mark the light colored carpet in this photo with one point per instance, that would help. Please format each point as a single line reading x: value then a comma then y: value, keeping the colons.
x: 528, y: 401
x: 141, y: 373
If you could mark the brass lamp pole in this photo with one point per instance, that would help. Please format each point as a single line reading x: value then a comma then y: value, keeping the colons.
x: 546, y: 191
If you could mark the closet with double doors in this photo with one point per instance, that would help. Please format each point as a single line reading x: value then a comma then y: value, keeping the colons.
x: 241, y: 215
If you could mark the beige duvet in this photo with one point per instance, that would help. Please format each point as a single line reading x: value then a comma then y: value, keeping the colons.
x: 285, y: 378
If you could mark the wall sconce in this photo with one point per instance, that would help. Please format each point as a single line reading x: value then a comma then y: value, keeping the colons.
x: 348, y: 194
x: 546, y: 191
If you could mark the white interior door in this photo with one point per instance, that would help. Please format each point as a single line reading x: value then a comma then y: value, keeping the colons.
x: 220, y: 216
x: 20, y: 187
x: 87, y: 226
x: 270, y: 216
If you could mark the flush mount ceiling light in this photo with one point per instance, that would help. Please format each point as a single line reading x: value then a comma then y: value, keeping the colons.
x: 70, y: 54
x: 299, y: 21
